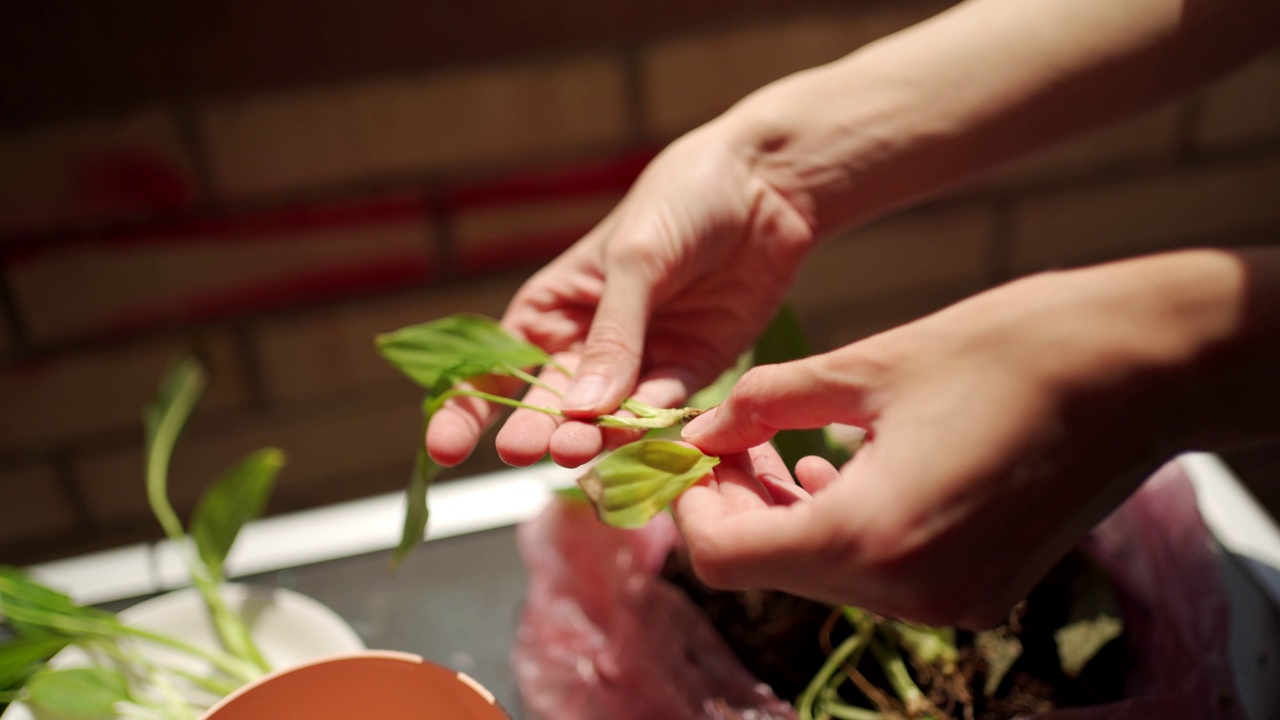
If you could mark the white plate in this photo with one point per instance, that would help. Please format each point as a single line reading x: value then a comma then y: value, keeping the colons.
x: 289, y: 628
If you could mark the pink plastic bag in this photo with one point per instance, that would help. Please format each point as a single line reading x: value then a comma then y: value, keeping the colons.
x: 602, y: 636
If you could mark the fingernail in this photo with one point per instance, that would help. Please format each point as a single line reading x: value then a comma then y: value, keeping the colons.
x: 698, y: 426
x: 585, y: 393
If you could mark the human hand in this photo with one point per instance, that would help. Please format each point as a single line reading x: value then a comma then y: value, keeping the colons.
x: 1000, y: 431
x: 653, y: 303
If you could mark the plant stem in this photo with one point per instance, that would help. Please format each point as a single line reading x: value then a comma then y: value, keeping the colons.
x: 501, y: 400
x: 232, y: 631
x: 841, y: 711
x: 534, y: 380
x: 233, y: 667
x: 843, y: 652
x: 217, y: 687
x: 560, y: 368
x: 160, y: 444
x: 895, y: 669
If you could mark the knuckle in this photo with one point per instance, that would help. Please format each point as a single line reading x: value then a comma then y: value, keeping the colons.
x: 608, y: 341
x: 749, y: 399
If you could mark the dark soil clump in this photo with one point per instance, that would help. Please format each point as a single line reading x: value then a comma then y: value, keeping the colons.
x: 784, y: 640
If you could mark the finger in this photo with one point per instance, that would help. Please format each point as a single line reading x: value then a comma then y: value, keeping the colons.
x: 803, y: 394
x: 611, y: 353
x: 815, y: 473
x: 771, y: 471
x: 780, y: 546
x: 575, y: 443
x: 455, y: 429
x: 738, y: 486
x: 524, y: 438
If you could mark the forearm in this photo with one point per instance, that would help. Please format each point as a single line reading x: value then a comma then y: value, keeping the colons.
x: 976, y: 86
x: 1185, y: 346
x: 1226, y: 390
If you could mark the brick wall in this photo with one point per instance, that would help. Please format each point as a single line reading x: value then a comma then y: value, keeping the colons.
x: 272, y: 199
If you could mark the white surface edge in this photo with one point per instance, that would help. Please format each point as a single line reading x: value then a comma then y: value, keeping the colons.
x: 101, y: 576
x: 507, y: 497
x: 482, y: 502
x: 1236, y: 519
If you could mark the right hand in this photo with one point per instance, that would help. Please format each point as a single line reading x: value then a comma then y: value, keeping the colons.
x: 1000, y: 430
x: 653, y: 303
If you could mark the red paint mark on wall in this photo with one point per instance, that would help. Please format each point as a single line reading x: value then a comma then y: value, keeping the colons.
x: 295, y: 221
x: 519, y: 251
x: 280, y: 292
x: 586, y: 179
x: 130, y: 179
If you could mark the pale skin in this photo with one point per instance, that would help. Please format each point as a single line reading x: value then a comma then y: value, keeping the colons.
x: 1046, y: 398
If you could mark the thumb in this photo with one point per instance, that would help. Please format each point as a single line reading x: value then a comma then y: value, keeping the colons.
x: 610, y: 362
x: 803, y: 394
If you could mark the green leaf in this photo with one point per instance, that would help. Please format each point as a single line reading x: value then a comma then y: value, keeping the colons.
x: 571, y: 495
x: 1080, y: 641
x: 237, y: 497
x: 78, y: 691
x: 22, y: 656
x: 33, y: 609
x: 1093, y: 617
x: 441, y: 353
x: 636, y: 481
x: 179, y: 391
x: 416, y: 512
x: 1000, y: 650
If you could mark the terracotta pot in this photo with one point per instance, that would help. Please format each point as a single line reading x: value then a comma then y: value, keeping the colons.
x: 375, y: 684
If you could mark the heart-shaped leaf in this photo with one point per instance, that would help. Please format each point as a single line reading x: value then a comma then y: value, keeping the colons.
x: 636, y: 481
x: 237, y: 497
x: 438, y: 354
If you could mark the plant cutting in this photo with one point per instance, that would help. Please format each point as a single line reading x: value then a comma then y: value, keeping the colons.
x: 123, y: 680
x: 635, y: 483
x: 856, y: 666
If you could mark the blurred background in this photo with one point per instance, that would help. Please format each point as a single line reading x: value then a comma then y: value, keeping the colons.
x: 272, y: 183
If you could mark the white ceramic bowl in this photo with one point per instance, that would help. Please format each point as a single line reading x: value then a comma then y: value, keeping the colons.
x: 289, y: 628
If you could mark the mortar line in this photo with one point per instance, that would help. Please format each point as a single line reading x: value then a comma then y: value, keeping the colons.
x: 65, y: 476
x: 633, y: 94
x: 19, y: 334
x: 190, y: 140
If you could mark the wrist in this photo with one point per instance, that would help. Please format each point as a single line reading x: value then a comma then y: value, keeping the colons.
x: 817, y: 138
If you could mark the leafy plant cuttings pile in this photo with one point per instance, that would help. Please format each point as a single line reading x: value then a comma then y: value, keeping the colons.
x: 123, y: 680
x: 865, y: 667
